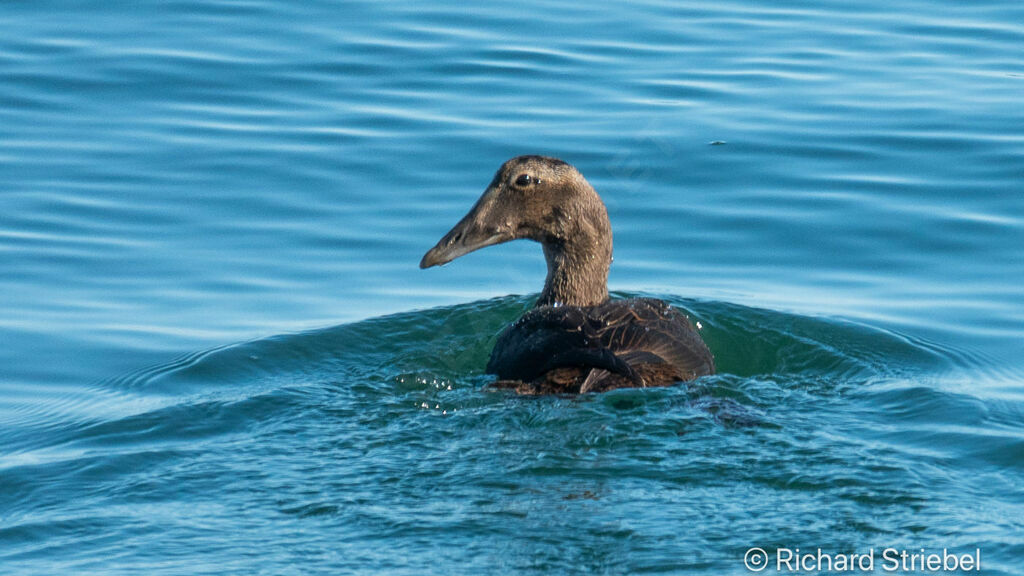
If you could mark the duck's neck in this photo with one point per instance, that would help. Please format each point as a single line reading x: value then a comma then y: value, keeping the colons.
x: 578, y: 261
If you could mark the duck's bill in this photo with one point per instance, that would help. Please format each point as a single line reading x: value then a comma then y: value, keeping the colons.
x: 461, y: 240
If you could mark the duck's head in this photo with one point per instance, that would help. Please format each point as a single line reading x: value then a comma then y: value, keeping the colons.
x: 546, y: 200
x: 533, y: 197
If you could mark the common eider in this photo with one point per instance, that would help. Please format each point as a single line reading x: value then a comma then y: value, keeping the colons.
x: 575, y: 339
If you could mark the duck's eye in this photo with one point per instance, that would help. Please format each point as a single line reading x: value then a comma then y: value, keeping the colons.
x: 524, y: 180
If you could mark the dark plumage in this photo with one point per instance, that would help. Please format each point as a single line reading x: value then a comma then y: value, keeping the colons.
x: 575, y: 339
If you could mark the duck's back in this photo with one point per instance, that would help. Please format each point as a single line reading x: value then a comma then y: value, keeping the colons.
x: 620, y: 343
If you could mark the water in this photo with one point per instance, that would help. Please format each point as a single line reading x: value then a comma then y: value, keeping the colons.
x: 219, y: 357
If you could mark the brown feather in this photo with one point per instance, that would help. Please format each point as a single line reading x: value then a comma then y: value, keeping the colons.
x: 656, y: 342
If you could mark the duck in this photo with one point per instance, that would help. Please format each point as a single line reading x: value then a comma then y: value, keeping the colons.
x: 575, y: 339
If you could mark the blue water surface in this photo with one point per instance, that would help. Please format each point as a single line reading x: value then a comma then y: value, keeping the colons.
x: 218, y: 355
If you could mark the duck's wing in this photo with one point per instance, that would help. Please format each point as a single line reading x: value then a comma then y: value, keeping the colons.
x: 645, y: 330
x: 623, y: 339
